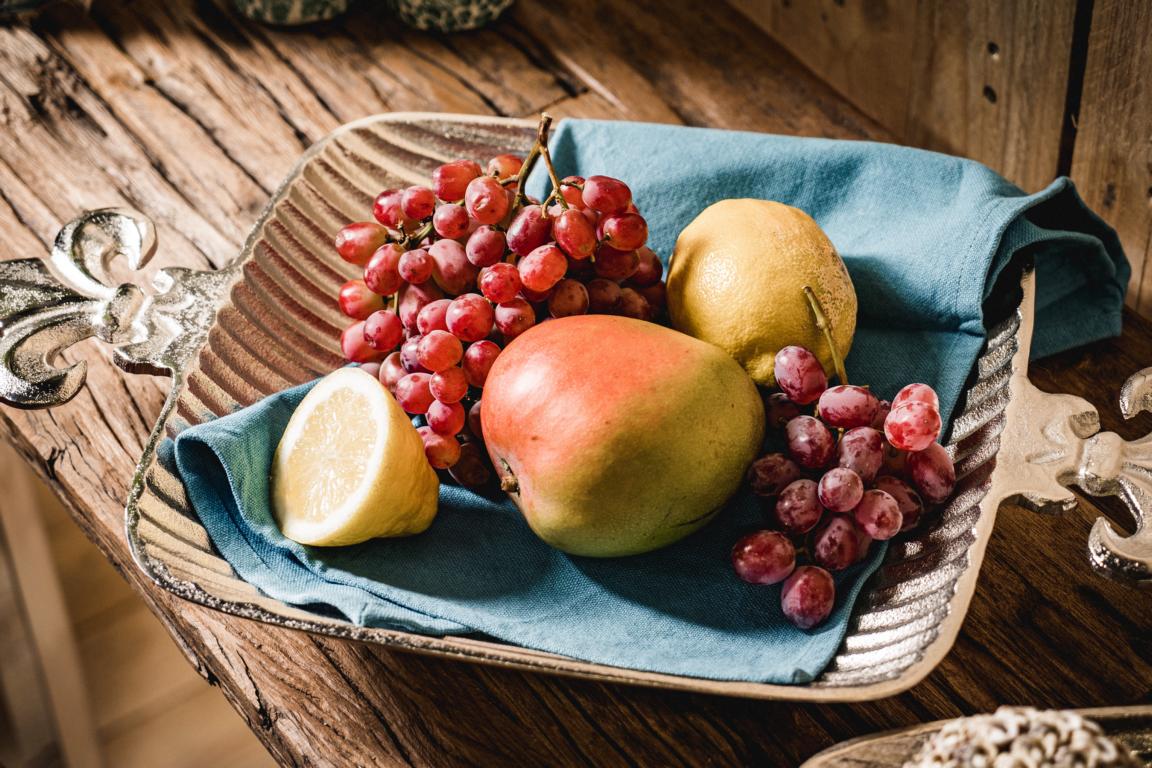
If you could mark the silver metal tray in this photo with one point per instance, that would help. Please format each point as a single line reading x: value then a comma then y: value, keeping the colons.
x: 269, y: 321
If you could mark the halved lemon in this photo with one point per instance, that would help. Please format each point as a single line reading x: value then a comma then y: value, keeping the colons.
x: 350, y: 466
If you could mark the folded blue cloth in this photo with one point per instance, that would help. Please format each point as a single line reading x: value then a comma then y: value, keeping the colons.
x: 923, y: 235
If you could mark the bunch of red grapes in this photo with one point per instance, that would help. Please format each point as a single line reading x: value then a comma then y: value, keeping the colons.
x: 455, y: 271
x: 859, y: 470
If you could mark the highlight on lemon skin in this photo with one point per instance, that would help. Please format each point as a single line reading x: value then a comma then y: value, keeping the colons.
x: 350, y: 466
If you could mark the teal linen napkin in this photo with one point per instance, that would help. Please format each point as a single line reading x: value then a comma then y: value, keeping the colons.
x: 923, y: 236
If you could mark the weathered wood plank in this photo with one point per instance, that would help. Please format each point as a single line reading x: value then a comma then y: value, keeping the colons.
x: 192, y: 115
x: 1112, y: 160
x: 986, y: 80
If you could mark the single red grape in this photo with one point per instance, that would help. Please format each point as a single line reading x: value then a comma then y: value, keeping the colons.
x: 474, y: 424
x: 418, y: 202
x: 865, y: 543
x: 382, y: 273
x: 451, y: 269
x: 450, y: 221
x: 391, y: 371
x: 446, y: 418
x: 386, y: 209
x: 798, y: 506
x: 500, y: 282
x: 433, y: 316
x: 358, y: 241
x: 603, y: 296
x: 770, y: 473
x: 840, y: 489
x: 572, y: 188
x: 836, y: 543
x: 470, y: 317
x: 486, y: 200
x: 808, y: 596
x: 606, y: 194
x: 383, y: 330
x: 410, y: 356
x: 933, y: 473
x: 543, y: 268
x: 912, y: 426
x: 357, y: 300
x: 633, y: 304
x: 625, y: 231
x: 780, y: 410
x: 616, y: 265
x: 649, y: 269
x: 895, y: 462
x: 449, y: 385
x: 416, y: 266
x: 530, y: 229
x: 810, y: 444
x: 514, y: 317
x: 881, y: 415
x: 909, y: 502
x: 800, y: 374
x: 471, y: 470
x: 414, y: 298
x: 917, y: 393
x: 763, y: 557
x: 878, y: 515
x: 504, y: 166
x: 574, y: 234
x: 439, y: 350
x: 413, y: 394
x: 442, y: 451
x: 862, y: 451
x: 486, y: 246
x: 355, y: 348
x: 478, y: 360
x: 569, y: 297
x: 846, y: 406
x: 656, y: 295
x: 450, y: 181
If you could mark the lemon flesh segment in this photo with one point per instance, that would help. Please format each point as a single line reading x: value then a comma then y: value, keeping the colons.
x: 350, y: 466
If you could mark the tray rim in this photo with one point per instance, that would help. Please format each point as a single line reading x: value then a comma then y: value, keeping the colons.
x: 494, y: 653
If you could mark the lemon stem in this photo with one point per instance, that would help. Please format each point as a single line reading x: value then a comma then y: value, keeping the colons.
x: 825, y: 325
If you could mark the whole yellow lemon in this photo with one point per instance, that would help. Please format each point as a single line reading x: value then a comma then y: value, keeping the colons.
x: 737, y: 280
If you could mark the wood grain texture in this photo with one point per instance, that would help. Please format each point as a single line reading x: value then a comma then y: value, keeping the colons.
x: 1112, y: 160
x: 192, y: 116
x: 986, y: 80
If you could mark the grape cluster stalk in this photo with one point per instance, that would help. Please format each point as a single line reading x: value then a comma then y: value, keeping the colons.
x: 856, y: 469
x: 455, y: 271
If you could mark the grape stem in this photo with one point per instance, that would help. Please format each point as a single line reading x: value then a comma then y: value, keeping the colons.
x: 411, y: 241
x: 542, y: 129
x: 544, y: 153
x: 825, y: 325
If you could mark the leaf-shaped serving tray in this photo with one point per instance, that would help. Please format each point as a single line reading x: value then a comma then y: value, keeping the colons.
x: 269, y: 321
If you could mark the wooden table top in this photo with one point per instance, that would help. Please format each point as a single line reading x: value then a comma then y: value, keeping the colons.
x: 187, y: 113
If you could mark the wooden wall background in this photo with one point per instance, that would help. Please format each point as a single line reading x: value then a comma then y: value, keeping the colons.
x: 1032, y: 88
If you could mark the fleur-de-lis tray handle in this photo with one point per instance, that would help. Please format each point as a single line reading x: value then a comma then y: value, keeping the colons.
x: 1050, y: 441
